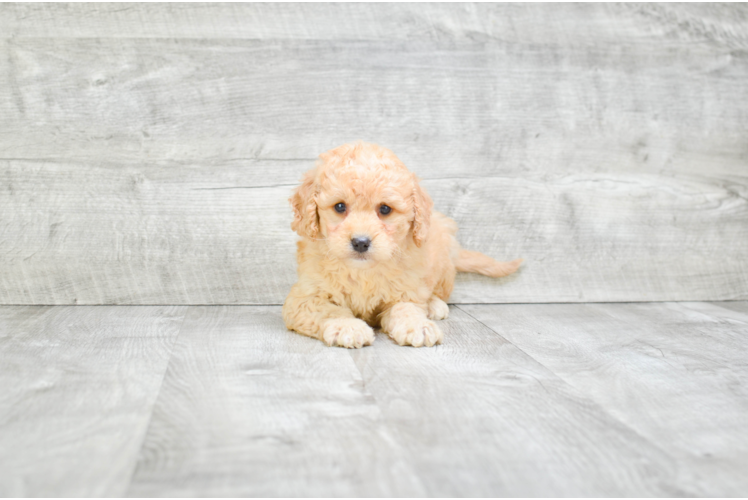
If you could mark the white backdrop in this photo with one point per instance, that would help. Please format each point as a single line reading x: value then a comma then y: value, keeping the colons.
x: 147, y: 151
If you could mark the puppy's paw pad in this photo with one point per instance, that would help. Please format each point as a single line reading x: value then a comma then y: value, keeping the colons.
x: 418, y: 333
x: 438, y: 309
x: 351, y: 333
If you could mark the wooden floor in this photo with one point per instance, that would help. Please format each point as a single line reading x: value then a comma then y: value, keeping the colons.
x: 642, y: 399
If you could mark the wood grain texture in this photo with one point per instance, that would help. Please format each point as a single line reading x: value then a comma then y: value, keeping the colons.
x: 479, y: 417
x: 445, y: 107
x: 675, y: 373
x: 249, y: 408
x: 77, y: 388
x: 148, y: 236
x: 582, y: 400
x: 192, y: 235
x: 527, y: 23
x: 146, y: 151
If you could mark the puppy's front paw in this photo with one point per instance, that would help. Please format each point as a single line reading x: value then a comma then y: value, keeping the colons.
x: 438, y: 309
x: 347, y: 332
x: 416, y: 332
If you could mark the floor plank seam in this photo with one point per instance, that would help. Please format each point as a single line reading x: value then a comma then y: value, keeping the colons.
x: 585, y: 396
x: 391, y: 430
x: 153, y: 406
x: 717, y: 304
x: 507, y: 340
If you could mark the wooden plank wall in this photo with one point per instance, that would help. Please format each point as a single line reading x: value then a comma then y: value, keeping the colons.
x: 147, y: 151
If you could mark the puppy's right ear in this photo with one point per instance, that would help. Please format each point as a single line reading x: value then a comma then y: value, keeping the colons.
x: 304, y: 204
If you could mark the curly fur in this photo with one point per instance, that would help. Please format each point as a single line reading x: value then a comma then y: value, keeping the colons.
x: 402, y: 282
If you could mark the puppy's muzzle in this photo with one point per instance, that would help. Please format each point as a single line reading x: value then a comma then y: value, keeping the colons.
x: 361, y: 245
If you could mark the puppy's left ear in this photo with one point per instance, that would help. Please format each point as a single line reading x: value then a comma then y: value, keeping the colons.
x: 422, y: 206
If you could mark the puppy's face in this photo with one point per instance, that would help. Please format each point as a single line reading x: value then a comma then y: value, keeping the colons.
x: 364, y: 215
x: 364, y: 203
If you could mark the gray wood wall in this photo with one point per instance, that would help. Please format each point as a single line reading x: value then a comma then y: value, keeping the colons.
x: 147, y: 151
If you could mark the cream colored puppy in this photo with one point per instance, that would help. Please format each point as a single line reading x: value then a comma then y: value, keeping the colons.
x: 373, y: 252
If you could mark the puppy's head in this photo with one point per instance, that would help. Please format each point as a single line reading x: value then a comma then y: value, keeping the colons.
x: 362, y: 201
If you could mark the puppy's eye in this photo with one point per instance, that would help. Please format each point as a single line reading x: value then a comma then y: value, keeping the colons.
x: 340, y: 207
x: 384, y: 210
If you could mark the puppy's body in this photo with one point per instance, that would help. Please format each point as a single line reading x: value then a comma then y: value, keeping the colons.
x: 414, y: 277
x: 392, y: 267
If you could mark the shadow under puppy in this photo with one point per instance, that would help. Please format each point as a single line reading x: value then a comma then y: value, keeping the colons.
x: 373, y: 252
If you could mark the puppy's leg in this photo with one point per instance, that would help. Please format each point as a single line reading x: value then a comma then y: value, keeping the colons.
x: 318, y: 318
x: 438, y: 309
x: 407, y: 324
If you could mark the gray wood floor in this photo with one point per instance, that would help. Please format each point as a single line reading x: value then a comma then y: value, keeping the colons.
x: 647, y: 399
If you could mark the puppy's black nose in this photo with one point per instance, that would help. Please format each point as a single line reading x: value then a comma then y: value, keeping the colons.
x: 360, y: 244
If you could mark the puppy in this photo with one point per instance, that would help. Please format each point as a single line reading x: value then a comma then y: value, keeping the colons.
x: 373, y: 252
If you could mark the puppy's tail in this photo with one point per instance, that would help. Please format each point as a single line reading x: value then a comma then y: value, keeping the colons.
x: 475, y: 262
